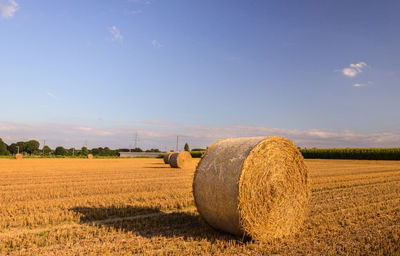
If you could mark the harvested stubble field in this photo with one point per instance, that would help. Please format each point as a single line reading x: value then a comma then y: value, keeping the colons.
x: 141, y: 206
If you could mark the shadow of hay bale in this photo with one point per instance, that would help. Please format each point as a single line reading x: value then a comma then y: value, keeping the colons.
x: 190, y: 165
x: 151, y: 222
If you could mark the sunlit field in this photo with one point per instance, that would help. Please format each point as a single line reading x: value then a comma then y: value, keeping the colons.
x: 141, y: 206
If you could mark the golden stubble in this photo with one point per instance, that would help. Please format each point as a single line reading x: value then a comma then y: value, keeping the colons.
x: 142, y: 206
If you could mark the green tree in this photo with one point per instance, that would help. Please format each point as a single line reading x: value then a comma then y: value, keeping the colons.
x: 84, y: 151
x: 95, y: 151
x: 13, y: 148
x: 71, y: 152
x: 32, y: 146
x: 137, y: 150
x: 60, y: 151
x: 186, y: 147
x: 21, y: 146
x: 3, y: 148
x: 46, y: 150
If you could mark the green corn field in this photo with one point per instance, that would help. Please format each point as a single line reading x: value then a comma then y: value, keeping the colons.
x: 353, y: 153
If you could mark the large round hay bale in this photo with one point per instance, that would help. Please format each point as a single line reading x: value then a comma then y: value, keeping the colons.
x: 167, y: 157
x: 181, y: 160
x: 18, y: 156
x: 253, y: 186
x: 90, y: 156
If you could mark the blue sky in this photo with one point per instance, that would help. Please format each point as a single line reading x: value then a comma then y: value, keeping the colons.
x: 323, y: 73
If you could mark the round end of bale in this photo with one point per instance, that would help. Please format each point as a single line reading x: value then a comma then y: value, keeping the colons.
x: 253, y: 186
x: 181, y: 160
x: 167, y: 157
x: 215, y: 143
x: 90, y: 156
x: 18, y: 156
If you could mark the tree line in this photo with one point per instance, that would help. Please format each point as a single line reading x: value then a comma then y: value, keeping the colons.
x: 32, y: 147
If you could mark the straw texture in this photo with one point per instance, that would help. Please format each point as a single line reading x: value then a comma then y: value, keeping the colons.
x: 253, y: 186
x: 181, y: 160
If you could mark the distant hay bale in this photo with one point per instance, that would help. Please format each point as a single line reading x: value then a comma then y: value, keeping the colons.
x: 18, y: 156
x: 181, y: 160
x: 253, y: 186
x: 167, y: 157
x: 90, y: 156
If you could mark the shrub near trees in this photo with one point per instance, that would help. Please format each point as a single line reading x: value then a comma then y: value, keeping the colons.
x: 103, y: 152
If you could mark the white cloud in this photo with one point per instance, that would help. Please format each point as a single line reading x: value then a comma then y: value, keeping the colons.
x: 354, y: 69
x: 359, y: 85
x: 51, y: 95
x: 156, y: 44
x: 117, y: 36
x: 8, y: 8
x: 85, y: 129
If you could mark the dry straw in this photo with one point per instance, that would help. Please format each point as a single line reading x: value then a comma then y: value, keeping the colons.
x: 253, y: 186
x: 181, y: 160
x: 167, y: 157
x: 90, y: 156
x: 18, y: 156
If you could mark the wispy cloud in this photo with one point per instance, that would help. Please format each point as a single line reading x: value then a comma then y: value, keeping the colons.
x: 362, y: 84
x: 160, y: 122
x: 117, y: 36
x: 359, y: 85
x: 51, y: 95
x: 8, y: 8
x: 164, y: 138
x: 354, y: 69
x: 136, y: 12
x: 156, y: 44
x: 141, y: 1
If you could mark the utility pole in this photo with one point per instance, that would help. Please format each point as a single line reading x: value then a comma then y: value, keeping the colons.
x: 44, y: 144
x: 136, y: 140
x: 17, y: 149
x: 177, y: 143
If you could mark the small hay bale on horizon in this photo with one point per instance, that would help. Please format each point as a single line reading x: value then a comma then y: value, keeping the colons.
x: 181, y: 160
x: 255, y: 186
x: 167, y: 157
x: 90, y: 156
x: 18, y: 156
